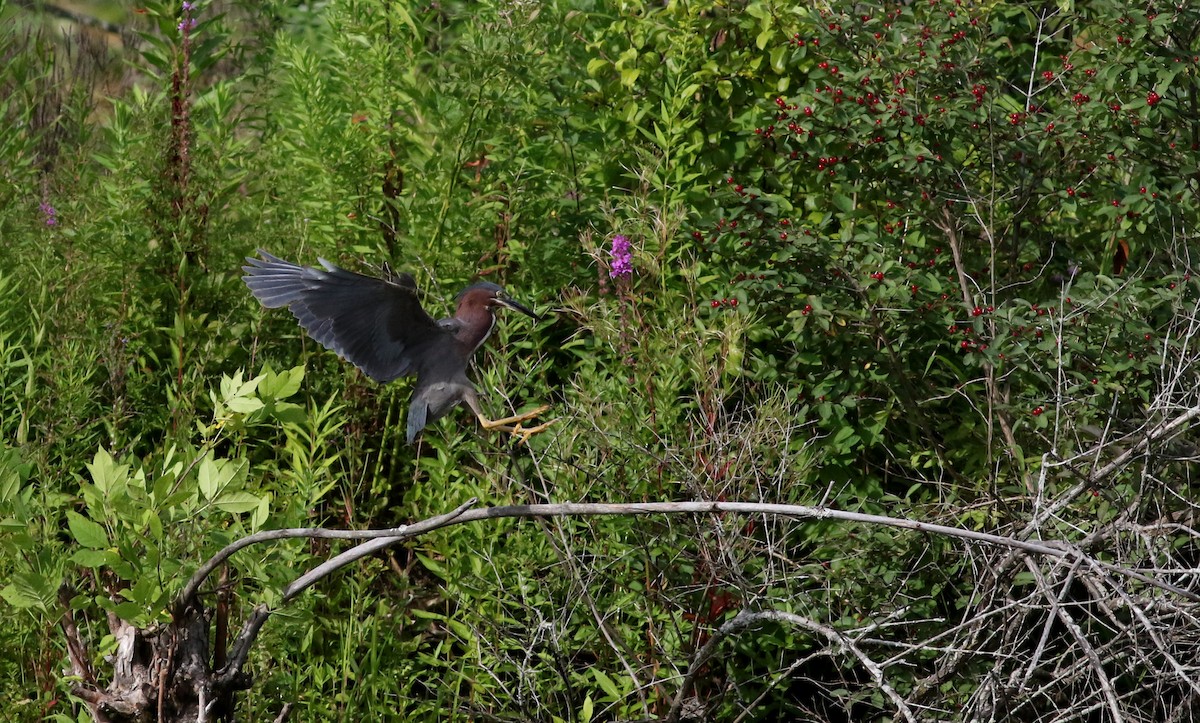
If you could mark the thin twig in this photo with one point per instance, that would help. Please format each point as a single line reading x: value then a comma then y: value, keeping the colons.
x: 747, y: 618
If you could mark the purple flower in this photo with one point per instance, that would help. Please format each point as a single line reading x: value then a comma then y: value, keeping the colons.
x: 50, y: 213
x: 188, y: 7
x: 187, y: 24
x: 622, y: 258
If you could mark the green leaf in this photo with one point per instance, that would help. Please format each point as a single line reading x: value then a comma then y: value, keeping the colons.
x: 92, y: 558
x: 281, y: 385
x: 289, y: 413
x: 105, y: 472
x: 262, y: 513
x: 208, y: 477
x: 144, y: 592
x: 777, y: 58
x: 129, y: 611
x: 31, y: 590
x: 18, y: 598
x: 845, y: 204
x: 606, y: 684
x: 86, y: 532
x: 162, y: 487
x: 432, y: 565
x: 245, y: 405
x: 237, y: 502
x: 595, y: 65
x: 155, y: 525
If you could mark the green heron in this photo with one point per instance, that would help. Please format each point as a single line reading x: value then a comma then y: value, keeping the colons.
x: 379, y: 326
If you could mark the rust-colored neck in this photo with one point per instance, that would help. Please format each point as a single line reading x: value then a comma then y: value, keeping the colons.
x: 477, y: 321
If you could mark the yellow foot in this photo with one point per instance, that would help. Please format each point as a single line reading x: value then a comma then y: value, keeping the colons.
x: 525, y: 433
x: 513, y: 424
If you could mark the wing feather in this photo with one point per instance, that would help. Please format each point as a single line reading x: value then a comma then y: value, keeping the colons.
x: 376, y: 324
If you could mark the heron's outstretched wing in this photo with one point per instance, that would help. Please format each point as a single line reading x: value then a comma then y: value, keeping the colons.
x: 376, y: 324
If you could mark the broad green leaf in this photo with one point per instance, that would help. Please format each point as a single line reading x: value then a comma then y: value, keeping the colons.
x: 105, y: 472
x: 777, y: 55
x: 92, y: 558
x: 594, y: 65
x: 208, y: 477
x: 245, y: 405
x: 237, y: 502
x: 285, y: 384
x: 129, y: 611
x: 86, y: 532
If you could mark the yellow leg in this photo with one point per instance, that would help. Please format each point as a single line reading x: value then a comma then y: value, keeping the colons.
x: 507, y: 423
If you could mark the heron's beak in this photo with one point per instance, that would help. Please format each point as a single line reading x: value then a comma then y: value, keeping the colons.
x: 516, y: 306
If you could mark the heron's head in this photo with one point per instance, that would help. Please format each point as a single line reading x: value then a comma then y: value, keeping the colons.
x: 488, y: 295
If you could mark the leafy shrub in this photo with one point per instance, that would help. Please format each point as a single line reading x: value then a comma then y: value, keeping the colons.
x: 916, y: 220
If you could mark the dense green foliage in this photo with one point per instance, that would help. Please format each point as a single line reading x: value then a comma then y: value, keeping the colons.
x: 903, y: 258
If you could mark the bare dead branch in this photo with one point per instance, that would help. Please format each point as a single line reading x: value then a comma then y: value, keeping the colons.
x: 380, y: 539
x: 189, y: 591
x: 81, y: 667
x: 1060, y: 612
x: 747, y: 618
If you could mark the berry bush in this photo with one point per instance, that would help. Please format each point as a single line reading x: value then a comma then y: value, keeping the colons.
x: 964, y: 220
